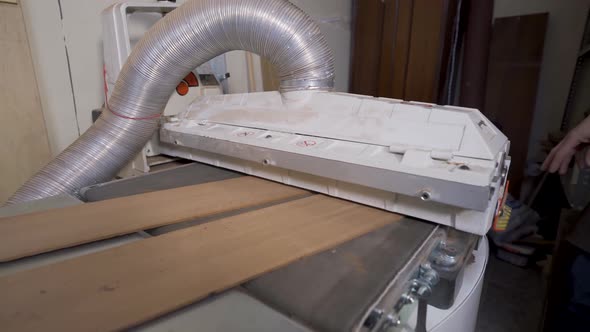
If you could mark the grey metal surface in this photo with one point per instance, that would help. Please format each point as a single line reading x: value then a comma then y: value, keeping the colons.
x: 333, y: 290
x: 198, y: 221
x: 191, y: 174
x: 230, y: 311
x: 59, y: 201
x: 330, y: 291
x: 187, y: 37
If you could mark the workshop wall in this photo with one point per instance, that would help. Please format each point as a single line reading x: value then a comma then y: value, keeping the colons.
x: 66, y: 45
x: 23, y: 139
x: 67, y: 54
x: 562, y: 42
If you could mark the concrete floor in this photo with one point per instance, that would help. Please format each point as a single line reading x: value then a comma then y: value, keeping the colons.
x: 512, y: 298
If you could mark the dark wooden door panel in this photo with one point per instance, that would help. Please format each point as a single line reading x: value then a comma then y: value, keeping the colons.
x: 397, y: 28
x: 515, y: 60
x: 400, y: 47
x: 366, y: 53
x: 425, y: 55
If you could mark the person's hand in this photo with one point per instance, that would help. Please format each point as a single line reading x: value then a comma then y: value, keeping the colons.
x: 575, y: 143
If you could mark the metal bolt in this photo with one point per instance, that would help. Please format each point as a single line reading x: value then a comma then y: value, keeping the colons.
x: 429, y: 275
x: 392, y: 320
x: 424, y: 291
x: 408, y: 299
x: 504, y: 172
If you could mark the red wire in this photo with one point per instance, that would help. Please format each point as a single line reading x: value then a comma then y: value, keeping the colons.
x: 106, y: 102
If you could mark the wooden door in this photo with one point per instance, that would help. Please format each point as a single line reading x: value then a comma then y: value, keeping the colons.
x: 401, y: 47
x: 516, y: 54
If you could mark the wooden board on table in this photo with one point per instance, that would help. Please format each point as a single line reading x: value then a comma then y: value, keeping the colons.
x: 40, y: 232
x: 131, y: 284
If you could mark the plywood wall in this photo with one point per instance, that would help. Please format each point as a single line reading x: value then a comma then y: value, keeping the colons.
x: 24, y: 148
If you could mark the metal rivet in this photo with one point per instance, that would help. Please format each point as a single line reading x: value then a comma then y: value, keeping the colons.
x: 424, y: 195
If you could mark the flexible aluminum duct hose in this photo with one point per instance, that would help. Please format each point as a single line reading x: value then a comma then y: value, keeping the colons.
x: 186, y: 38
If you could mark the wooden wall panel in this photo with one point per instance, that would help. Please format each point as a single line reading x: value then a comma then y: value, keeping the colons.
x: 24, y: 148
x: 366, y: 46
x: 515, y: 60
x: 425, y: 54
x: 397, y: 28
x: 401, y: 48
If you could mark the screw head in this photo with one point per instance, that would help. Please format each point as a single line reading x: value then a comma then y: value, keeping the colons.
x: 425, y: 195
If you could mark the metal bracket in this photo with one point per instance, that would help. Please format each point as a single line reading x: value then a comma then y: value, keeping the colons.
x: 420, y: 288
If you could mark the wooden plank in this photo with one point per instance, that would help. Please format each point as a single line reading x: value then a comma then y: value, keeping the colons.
x: 24, y: 145
x: 516, y: 54
x: 270, y: 76
x: 127, y: 285
x: 35, y: 233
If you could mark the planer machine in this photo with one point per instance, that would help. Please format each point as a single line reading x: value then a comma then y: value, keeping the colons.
x: 443, y: 167
x: 443, y: 164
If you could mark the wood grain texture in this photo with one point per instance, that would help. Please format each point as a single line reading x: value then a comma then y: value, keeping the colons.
x: 516, y: 55
x: 270, y: 76
x: 23, y: 139
x: 366, y: 46
x: 401, y: 48
x: 127, y: 285
x: 395, y: 48
x: 426, y: 47
x: 36, y: 233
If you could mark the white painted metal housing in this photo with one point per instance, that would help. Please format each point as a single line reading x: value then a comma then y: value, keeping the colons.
x: 440, y: 163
